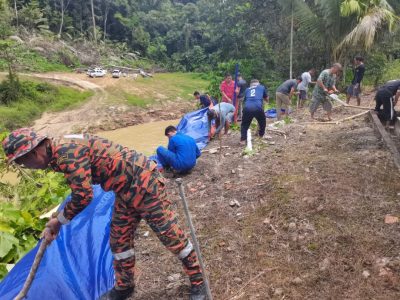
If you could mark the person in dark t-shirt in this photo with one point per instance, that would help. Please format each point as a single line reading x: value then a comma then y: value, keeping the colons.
x: 242, y: 85
x: 354, y: 89
x: 205, y: 100
x: 387, y: 96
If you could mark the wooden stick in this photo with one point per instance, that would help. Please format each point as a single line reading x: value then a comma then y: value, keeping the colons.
x: 339, y: 121
x: 36, y: 262
x: 194, y: 237
x: 359, y: 107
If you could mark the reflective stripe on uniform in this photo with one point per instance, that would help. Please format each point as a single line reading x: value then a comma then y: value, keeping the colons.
x: 63, y: 220
x: 186, y: 251
x: 74, y: 136
x: 124, y: 255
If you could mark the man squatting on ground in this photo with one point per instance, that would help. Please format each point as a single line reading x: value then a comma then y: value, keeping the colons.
x: 140, y: 194
x: 306, y: 79
x: 205, y: 100
x: 254, y: 108
x: 222, y: 113
x: 387, y: 96
x: 284, y: 95
x: 326, y: 84
x: 181, y: 154
x: 354, y: 89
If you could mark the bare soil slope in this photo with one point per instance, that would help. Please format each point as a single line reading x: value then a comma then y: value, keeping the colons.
x: 310, y: 224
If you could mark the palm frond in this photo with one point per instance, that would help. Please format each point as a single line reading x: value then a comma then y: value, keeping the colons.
x: 365, y: 32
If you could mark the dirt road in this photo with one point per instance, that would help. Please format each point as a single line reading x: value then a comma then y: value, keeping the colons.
x: 106, y: 110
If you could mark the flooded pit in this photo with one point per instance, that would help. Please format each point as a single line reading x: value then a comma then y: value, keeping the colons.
x: 144, y: 138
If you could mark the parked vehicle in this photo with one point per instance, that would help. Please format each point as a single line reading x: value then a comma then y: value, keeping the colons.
x: 97, y: 72
x: 116, y: 73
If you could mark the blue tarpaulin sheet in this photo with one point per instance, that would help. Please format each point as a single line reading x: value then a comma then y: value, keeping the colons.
x: 78, y: 264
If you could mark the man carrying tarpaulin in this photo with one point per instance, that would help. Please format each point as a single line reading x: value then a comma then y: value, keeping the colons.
x: 140, y: 194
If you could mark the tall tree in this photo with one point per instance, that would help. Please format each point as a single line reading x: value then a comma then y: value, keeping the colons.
x: 371, y: 16
x: 93, y: 21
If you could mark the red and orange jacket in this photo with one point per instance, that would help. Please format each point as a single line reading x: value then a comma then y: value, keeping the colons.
x: 85, y: 160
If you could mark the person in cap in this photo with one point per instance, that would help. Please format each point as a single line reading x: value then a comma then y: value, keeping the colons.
x: 254, y: 108
x: 140, y: 194
x: 326, y: 84
x: 222, y: 114
x: 181, y: 154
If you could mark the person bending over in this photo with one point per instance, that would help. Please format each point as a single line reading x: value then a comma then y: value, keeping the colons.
x: 284, y: 95
x: 204, y: 100
x: 181, y: 154
x: 254, y: 108
x: 222, y: 113
x: 140, y: 193
x: 387, y: 97
x: 326, y: 84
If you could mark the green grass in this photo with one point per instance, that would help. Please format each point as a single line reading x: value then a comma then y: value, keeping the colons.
x: 137, y: 101
x: 162, y: 87
x: 32, y: 61
x: 55, y: 98
x: 392, y: 72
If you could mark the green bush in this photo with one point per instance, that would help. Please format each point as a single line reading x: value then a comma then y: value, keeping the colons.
x: 22, y: 206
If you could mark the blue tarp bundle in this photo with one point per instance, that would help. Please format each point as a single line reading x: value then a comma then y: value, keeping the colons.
x: 78, y: 264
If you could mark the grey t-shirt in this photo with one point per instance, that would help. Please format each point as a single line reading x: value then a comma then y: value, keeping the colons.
x: 285, y: 87
x: 305, y: 81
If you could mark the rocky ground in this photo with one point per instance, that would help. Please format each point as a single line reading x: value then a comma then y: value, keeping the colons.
x: 301, y: 218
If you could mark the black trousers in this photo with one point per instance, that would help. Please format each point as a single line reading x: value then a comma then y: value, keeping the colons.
x: 385, y: 98
x: 248, y: 115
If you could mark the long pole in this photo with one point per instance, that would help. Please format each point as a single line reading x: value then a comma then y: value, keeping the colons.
x: 235, y: 98
x: 36, y: 262
x: 291, y: 45
x: 193, y: 235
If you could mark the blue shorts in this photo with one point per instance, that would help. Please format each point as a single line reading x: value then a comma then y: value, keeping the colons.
x: 353, y: 91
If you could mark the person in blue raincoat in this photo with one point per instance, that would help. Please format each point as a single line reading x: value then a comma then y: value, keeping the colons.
x: 182, y: 151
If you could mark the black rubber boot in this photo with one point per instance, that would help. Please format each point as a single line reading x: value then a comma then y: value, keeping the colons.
x: 198, y: 292
x: 114, y: 294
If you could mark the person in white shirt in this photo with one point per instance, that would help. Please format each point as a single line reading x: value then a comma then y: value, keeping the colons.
x: 303, y: 86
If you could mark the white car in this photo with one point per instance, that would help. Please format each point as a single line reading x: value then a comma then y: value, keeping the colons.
x: 116, y: 73
x: 97, y: 72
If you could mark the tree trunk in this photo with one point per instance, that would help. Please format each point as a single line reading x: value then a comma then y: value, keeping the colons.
x: 62, y: 19
x: 94, y: 22
x: 105, y: 20
x: 16, y: 11
x: 291, y: 46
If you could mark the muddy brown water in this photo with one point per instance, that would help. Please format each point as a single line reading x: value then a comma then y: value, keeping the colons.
x: 144, y: 138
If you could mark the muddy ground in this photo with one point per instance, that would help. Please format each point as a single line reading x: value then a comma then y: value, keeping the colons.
x: 308, y: 222
x: 101, y: 112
